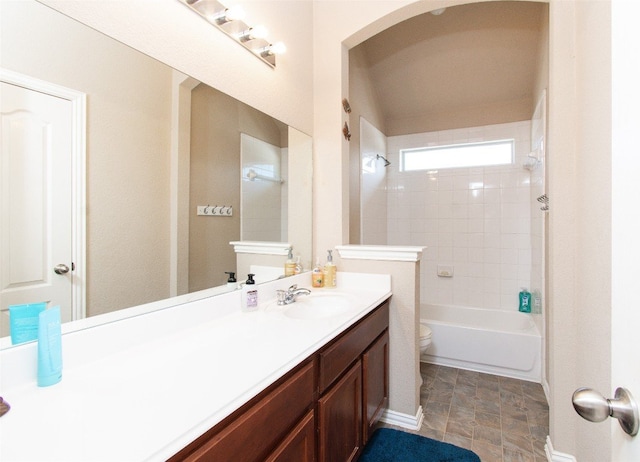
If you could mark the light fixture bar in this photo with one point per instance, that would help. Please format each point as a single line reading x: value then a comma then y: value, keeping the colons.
x: 230, y: 21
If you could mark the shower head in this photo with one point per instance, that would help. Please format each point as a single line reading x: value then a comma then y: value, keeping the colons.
x: 386, y: 162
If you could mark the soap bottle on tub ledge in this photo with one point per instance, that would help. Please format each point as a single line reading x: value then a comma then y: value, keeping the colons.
x: 249, y: 294
x: 330, y: 271
x: 525, y: 301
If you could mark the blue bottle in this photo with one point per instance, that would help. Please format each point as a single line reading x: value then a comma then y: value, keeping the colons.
x: 49, y: 347
x: 525, y: 301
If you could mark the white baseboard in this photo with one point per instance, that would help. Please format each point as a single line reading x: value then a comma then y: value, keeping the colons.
x: 410, y: 422
x: 556, y: 456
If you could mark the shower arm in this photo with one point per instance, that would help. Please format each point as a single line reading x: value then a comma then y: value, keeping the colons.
x: 386, y: 162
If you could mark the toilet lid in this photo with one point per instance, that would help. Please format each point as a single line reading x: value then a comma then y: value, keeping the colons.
x: 425, y: 332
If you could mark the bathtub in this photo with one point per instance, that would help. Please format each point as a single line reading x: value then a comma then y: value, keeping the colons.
x: 497, y: 342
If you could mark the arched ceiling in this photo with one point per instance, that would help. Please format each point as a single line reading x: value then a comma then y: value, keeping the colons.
x: 471, y: 59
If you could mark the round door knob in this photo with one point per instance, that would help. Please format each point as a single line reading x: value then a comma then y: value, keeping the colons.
x: 591, y: 405
x: 594, y: 407
x: 61, y: 269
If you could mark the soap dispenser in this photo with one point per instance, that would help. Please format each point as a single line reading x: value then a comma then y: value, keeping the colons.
x: 249, y: 294
x: 317, y: 275
x: 232, y: 284
x: 330, y: 271
x: 290, y: 264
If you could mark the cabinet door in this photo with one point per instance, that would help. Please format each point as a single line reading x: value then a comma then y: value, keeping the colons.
x: 375, y: 382
x: 254, y: 433
x: 340, y: 418
x: 299, y: 445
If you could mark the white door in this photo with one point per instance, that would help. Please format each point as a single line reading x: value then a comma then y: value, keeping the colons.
x: 35, y: 201
x: 625, y: 313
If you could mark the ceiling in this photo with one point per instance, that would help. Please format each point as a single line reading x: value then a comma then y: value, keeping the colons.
x: 474, y: 61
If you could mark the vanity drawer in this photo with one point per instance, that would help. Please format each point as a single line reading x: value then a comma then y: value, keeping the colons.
x: 260, y: 429
x: 337, y: 357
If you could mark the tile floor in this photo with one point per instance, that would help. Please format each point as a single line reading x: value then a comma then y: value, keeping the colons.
x: 500, y: 419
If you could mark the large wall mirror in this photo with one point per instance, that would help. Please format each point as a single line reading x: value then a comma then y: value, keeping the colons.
x: 159, y: 145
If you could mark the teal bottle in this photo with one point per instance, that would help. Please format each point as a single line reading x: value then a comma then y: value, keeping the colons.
x: 525, y: 301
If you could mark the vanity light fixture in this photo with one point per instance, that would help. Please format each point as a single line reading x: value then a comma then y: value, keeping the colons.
x: 230, y: 21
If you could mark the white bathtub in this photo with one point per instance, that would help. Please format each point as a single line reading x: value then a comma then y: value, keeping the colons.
x: 498, y: 342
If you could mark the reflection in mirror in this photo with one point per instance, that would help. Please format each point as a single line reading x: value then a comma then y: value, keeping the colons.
x: 157, y: 144
x: 263, y: 192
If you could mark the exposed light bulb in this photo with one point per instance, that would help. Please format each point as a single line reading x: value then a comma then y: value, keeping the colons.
x: 277, y: 48
x: 234, y: 13
x: 256, y: 32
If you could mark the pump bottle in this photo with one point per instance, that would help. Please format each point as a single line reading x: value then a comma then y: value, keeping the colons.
x: 249, y: 294
x: 232, y: 284
x: 290, y: 264
x: 317, y: 275
x: 330, y: 271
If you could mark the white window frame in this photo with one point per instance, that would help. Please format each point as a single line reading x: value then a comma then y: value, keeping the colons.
x: 444, y: 151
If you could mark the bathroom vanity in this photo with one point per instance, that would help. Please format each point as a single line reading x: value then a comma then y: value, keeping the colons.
x: 337, y: 393
x: 205, y: 381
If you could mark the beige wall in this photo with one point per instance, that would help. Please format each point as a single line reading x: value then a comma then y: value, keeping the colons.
x: 579, y: 220
x: 170, y: 32
x: 217, y: 122
x: 128, y: 129
x: 362, y: 100
x: 404, y: 322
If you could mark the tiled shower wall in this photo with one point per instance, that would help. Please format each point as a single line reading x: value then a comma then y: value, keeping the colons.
x: 261, y: 206
x: 475, y: 220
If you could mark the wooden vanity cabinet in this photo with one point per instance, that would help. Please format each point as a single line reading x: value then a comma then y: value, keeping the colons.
x: 340, y: 418
x: 323, y: 410
x: 272, y: 424
x: 353, y: 384
x: 375, y: 383
x: 299, y: 445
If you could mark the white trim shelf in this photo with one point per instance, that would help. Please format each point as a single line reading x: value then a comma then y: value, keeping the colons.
x: 261, y: 247
x: 380, y: 252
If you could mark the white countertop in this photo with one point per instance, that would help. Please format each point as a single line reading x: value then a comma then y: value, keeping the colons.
x: 144, y: 387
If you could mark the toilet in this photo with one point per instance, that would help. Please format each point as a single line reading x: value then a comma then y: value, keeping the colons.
x: 425, y: 338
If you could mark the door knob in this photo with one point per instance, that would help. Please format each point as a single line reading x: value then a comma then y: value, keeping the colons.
x: 594, y: 407
x: 61, y: 269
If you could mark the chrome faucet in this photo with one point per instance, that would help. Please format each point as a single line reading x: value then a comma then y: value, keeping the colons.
x: 287, y: 297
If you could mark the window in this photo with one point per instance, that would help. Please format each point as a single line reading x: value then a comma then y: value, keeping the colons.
x: 457, y: 155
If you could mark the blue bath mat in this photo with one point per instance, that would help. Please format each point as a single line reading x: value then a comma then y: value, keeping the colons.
x: 388, y: 445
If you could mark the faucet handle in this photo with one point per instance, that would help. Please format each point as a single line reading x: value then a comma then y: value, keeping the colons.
x: 281, y: 296
x: 293, y: 287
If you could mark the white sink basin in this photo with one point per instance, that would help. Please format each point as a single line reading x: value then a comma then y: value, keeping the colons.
x: 321, y: 305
